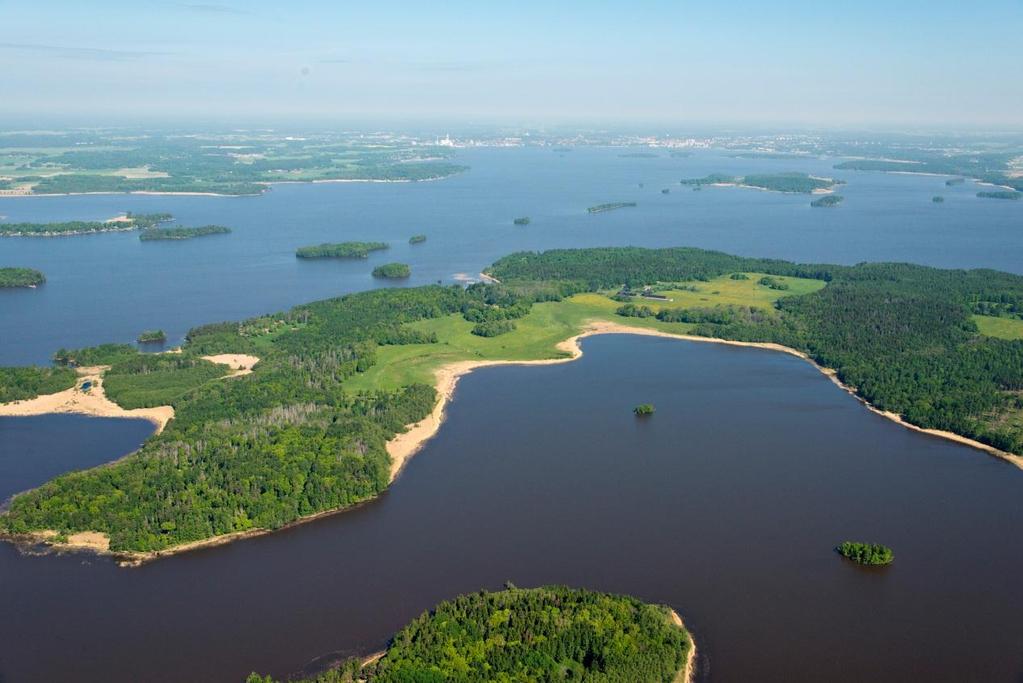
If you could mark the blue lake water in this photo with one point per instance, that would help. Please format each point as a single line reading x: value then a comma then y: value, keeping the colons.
x: 109, y: 287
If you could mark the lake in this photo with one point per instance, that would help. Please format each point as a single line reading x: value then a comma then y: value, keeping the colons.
x: 111, y: 286
x: 726, y: 505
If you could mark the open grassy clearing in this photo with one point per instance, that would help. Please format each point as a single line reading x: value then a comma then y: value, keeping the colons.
x: 1003, y: 328
x: 724, y: 291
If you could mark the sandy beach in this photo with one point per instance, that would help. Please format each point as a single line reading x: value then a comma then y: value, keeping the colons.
x: 688, y: 672
x: 91, y: 402
x: 240, y: 363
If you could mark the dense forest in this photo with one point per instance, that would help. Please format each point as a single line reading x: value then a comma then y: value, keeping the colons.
x: 340, y: 250
x: 18, y: 383
x: 155, y: 234
x: 827, y: 201
x: 541, y: 634
x: 866, y: 553
x: 21, y: 277
x: 288, y: 440
x: 393, y: 271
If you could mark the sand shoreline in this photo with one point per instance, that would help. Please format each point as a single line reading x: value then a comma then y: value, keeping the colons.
x: 403, y: 446
x: 688, y: 672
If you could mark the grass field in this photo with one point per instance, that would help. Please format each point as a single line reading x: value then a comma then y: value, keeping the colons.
x: 159, y: 388
x: 1003, y: 328
x: 537, y: 334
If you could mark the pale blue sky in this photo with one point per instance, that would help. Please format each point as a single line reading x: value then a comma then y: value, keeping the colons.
x: 937, y: 64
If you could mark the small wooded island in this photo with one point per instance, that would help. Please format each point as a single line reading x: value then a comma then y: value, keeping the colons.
x: 417, y: 239
x: 21, y: 277
x: 644, y: 409
x: 551, y: 633
x: 938, y: 199
x: 866, y: 553
x: 173, y: 234
x: 151, y: 337
x: 393, y: 271
x: 601, y: 208
x: 1001, y: 194
x: 340, y: 250
x: 523, y: 220
x: 828, y: 201
x: 127, y: 222
x: 775, y: 182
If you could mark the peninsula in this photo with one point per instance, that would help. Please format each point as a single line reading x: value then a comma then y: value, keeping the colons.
x: 127, y: 222
x: 511, y: 635
x: 348, y: 388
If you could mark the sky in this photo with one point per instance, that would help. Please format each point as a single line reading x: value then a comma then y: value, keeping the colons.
x: 934, y: 64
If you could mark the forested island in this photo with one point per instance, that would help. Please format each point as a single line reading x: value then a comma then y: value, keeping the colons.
x: 393, y: 271
x: 306, y: 431
x: 523, y: 220
x: 986, y: 166
x: 128, y: 222
x: 828, y: 201
x: 774, y: 182
x: 155, y: 234
x: 1000, y: 194
x: 152, y: 337
x: 938, y: 199
x: 601, y: 208
x: 21, y: 277
x: 551, y: 633
x: 341, y: 250
x: 866, y: 553
x: 643, y: 409
x: 417, y: 239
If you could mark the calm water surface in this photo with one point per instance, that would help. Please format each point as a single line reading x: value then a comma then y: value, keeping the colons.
x: 110, y: 287
x: 726, y: 505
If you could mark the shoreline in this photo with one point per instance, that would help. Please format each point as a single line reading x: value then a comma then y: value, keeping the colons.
x: 688, y: 672
x: 402, y: 447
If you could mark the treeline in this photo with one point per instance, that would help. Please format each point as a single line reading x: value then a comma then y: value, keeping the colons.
x: 776, y: 182
x: 901, y: 335
x: 542, y: 634
x: 19, y: 383
x: 130, y: 222
x: 21, y: 277
x: 340, y: 249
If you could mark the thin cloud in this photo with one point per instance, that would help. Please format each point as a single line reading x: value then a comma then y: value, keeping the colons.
x: 96, y: 53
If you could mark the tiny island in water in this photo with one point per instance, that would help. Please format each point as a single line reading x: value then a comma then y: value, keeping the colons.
x: 341, y: 250
x: 364, y: 378
x: 21, y: 277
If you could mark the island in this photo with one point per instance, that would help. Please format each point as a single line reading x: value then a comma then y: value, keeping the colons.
x: 417, y: 239
x: 174, y: 234
x: 666, y: 190
x: 643, y: 409
x: 601, y: 208
x: 341, y: 250
x: 21, y: 277
x: 124, y: 223
x: 524, y: 220
x: 866, y: 553
x: 1000, y: 194
x: 828, y: 201
x: 392, y: 271
x: 938, y: 199
x: 347, y: 389
x: 775, y: 182
x: 529, y: 634
x: 151, y: 337
x: 954, y: 181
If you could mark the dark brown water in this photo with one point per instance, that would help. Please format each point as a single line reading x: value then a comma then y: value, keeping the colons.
x: 726, y: 505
